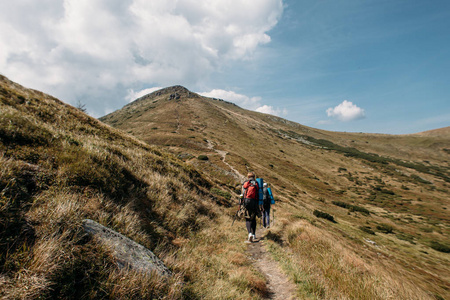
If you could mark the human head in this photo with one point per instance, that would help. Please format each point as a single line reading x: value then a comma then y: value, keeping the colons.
x: 265, y: 184
x: 251, y: 175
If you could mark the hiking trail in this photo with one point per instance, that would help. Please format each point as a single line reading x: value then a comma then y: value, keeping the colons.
x: 279, y: 285
x: 223, y: 155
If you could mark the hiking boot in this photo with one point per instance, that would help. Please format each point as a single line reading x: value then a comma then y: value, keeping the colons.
x: 253, y: 237
x: 250, y: 237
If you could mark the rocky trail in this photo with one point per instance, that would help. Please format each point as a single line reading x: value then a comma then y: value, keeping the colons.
x: 280, y: 287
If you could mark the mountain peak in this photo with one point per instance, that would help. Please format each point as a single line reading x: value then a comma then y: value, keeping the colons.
x: 175, y: 92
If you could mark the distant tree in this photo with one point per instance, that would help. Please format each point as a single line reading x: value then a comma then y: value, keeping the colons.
x: 81, y: 106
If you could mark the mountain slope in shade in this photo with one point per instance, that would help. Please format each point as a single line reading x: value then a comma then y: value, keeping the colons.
x: 390, y: 189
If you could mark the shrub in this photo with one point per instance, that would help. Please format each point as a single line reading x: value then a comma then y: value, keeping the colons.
x: 385, y: 228
x: 324, y: 215
x: 351, y: 207
x: 219, y: 192
x: 367, y: 229
x: 405, y: 237
x: 439, y: 247
x: 420, y: 179
x: 202, y: 157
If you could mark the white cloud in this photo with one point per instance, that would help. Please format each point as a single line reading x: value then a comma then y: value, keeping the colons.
x: 252, y: 103
x: 267, y: 109
x: 102, y: 48
x: 133, y: 95
x: 242, y: 100
x: 346, y: 111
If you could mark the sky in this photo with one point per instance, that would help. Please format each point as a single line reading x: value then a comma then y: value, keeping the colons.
x: 371, y: 66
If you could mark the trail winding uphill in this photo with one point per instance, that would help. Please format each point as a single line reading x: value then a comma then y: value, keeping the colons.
x: 223, y: 155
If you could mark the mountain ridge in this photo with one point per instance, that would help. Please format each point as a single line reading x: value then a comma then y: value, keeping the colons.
x: 176, y: 91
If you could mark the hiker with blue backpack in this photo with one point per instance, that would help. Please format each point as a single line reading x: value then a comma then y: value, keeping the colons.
x: 250, y: 201
x: 268, y: 200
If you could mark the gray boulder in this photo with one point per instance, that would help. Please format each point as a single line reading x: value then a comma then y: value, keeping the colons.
x: 127, y: 252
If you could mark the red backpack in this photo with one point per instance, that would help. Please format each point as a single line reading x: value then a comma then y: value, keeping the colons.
x: 251, y: 189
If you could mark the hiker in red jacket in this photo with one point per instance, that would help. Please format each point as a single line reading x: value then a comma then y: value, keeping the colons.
x: 250, y: 201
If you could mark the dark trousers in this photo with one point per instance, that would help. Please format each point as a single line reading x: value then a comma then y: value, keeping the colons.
x: 250, y: 223
x: 266, y: 216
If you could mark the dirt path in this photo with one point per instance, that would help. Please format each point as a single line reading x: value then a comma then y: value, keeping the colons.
x: 223, y: 155
x: 280, y: 288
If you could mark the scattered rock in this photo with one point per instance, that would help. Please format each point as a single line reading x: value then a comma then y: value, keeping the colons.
x: 175, y: 96
x: 128, y: 253
x: 370, y: 242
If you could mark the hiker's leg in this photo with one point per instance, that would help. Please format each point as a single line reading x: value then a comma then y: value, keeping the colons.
x: 248, y: 224
x: 253, y: 225
x: 267, y: 213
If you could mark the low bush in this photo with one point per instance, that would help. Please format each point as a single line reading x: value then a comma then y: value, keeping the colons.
x: 219, y: 192
x: 439, y: 247
x: 351, y: 207
x: 420, y: 179
x: 406, y: 237
x: 202, y: 157
x: 324, y: 215
x: 367, y: 229
x: 385, y: 228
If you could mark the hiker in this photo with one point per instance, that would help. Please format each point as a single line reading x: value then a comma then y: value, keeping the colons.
x: 250, y: 202
x: 267, y: 201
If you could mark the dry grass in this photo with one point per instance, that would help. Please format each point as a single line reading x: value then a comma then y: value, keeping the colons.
x: 327, y: 267
x: 61, y: 166
x: 309, y: 169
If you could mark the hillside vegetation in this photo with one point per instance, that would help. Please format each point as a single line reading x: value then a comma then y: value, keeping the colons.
x: 59, y: 166
x: 359, y: 216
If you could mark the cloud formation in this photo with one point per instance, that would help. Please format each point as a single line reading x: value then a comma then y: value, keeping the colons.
x: 346, y: 111
x: 133, y: 95
x: 252, y: 103
x: 94, y: 48
x: 267, y: 109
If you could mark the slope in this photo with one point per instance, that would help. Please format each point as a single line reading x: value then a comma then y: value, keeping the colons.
x: 388, y: 194
x: 59, y: 166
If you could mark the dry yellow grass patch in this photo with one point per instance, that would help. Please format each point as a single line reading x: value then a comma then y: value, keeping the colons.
x: 327, y: 267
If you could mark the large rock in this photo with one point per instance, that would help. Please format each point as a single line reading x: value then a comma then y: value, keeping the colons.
x: 128, y: 253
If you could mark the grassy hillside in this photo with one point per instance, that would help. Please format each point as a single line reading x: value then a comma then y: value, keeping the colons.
x: 388, y: 195
x: 59, y: 166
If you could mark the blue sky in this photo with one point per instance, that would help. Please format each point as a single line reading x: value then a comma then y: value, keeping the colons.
x: 359, y: 66
x: 390, y: 58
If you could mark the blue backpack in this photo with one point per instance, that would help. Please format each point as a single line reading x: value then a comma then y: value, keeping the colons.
x: 272, y: 199
x: 260, y: 182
